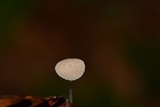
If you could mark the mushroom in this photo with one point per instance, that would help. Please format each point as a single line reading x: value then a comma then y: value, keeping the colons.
x: 70, y: 69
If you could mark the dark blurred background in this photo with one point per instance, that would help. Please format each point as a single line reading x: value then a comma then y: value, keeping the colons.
x: 119, y: 41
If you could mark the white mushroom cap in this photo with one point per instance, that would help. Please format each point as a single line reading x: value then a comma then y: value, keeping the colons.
x: 70, y: 69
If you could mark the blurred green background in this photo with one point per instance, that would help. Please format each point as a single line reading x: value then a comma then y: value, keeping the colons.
x: 118, y: 40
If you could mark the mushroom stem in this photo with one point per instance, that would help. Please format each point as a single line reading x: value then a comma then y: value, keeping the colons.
x: 70, y: 91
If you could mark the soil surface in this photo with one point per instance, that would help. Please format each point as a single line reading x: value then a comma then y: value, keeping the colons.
x: 34, y: 101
